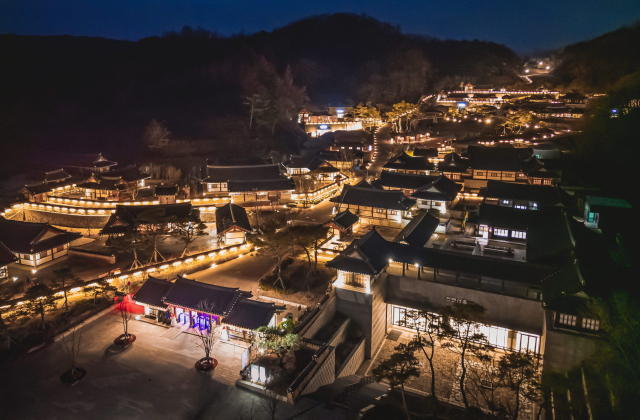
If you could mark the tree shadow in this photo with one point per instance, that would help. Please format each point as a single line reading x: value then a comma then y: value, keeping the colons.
x: 114, y: 350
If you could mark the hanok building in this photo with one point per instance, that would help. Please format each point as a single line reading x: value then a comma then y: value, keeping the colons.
x: 523, y: 196
x: 544, y: 232
x: 538, y: 172
x: 132, y: 218
x: 40, y: 184
x: 114, y: 185
x: 166, y: 194
x: 453, y: 166
x: 383, y: 284
x: 305, y: 166
x: 498, y: 163
x: 343, y: 224
x: 346, y: 159
x: 232, y: 223
x: 248, y: 182
x: 437, y: 194
x: 374, y: 206
x: 35, y: 243
x: 205, y: 306
x: 408, y: 183
x: 405, y: 164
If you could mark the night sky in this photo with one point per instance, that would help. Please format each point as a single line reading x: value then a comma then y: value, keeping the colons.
x: 521, y: 25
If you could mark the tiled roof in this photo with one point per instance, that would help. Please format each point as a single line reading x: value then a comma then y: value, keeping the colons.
x: 419, y: 230
x: 281, y: 183
x: 370, y: 197
x: 453, y: 163
x: 311, y: 163
x: 404, y: 161
x: 371, y: 254
x: 497, y: 158
x: 165, y: 190
x: 190, y: 294
x: 344, y: 220
x: 403, y: 181
x: 29, y: 238
x: 153, y: 292
x: 367, y: 255
x: 250, y: 314
x: 126, y: 218
x: 442, y: 188
x: 242, y: 173
x: 539, y: 193
x: 231, y: 215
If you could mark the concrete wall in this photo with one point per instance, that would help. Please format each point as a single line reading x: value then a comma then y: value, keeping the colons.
x: 340, y: 336
x: 564, y: 350
x: 353, y: 361
x: 324, y: 316
x: 501, y: 310
x: 325, y: 374
x: 368, y: 310
x: 61, y: 219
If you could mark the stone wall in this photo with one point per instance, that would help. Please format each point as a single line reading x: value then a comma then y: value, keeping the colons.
x: 324, y: 375
x: 322, y: 318
x: 340, y: 335
x: 353, y: 361
x: 66, y: 220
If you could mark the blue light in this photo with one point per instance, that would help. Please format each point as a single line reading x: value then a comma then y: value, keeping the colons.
x: 614, y: 111
x: 462, y: 104
x: 340, y: 111
x: 323, y: 127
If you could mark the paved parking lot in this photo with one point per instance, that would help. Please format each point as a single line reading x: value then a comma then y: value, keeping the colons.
x: 155, y: 378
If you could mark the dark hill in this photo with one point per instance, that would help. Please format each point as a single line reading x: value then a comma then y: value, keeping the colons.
x: 597, y: 64
x: 80, y: 93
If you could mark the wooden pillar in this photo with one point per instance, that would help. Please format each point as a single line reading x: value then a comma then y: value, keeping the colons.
x: 403, y: 266
x: 502, y: 287
x: 479, y: 282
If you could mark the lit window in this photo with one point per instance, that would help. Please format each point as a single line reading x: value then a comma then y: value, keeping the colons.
x: 518, y: 235
x: 380, y: 211
x: 495, y: 173
x: 501, y: 232
x: 568, y: 319
x: 506, y: 202
x: 590, y: 324
x: 546, y: 182
x: 393, y: 212
x: 520, y: 206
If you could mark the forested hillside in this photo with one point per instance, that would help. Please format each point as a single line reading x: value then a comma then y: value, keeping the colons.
x: 598, y: 64
x: 79, y: 93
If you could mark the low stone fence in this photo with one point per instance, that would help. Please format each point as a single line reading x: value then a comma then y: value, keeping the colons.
x: 85, y: 221
x: 318, y: 318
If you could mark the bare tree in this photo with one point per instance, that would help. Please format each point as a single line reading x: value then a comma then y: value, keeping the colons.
x: 156, y: 135
x: 71, y: 345
x: 462, y: 327
x: 126, y: 339
x: 206, y: 336
x: 270, y: 401
x: 250, y: 414
x: 425, y: 339
x: 65, y: 279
